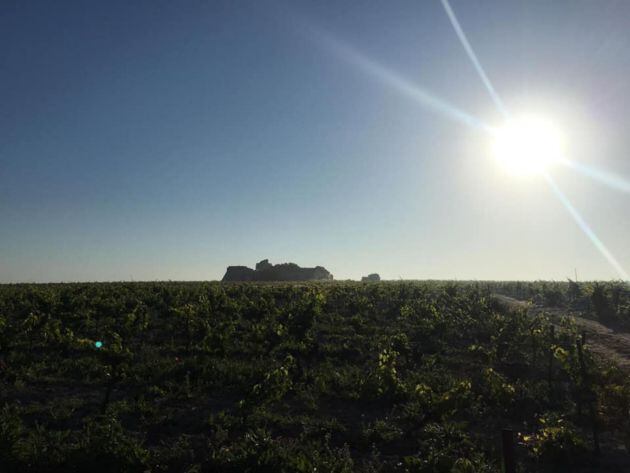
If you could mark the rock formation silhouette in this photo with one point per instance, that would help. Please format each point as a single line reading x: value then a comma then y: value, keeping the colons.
x: 374, y: 277
x: 266, y: 271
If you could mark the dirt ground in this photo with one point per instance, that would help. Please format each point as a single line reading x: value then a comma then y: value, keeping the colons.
x: 606, y: 343
x: 600, y: 339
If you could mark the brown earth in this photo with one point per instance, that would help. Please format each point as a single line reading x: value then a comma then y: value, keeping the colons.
x: 600, y: 339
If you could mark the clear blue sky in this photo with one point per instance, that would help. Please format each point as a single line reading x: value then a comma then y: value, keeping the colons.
x: 167, y: 140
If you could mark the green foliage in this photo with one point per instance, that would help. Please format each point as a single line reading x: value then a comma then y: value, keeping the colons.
x: 556, y: 443
x: 326, y: 377
x: 105, y: 446
x: 608, y: 302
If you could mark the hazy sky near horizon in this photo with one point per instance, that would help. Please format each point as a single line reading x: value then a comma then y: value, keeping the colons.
x: 167, y: 140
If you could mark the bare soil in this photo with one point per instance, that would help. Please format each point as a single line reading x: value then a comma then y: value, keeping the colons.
x: 600, y: 339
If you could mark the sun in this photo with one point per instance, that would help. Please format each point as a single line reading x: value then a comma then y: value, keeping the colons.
x: 528, y: 145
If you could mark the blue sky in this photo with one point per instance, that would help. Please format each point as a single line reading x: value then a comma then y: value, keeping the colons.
x: 167, y: 140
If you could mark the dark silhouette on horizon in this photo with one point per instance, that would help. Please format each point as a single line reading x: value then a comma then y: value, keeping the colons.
x: 265, y: 271
x: 374, y: 277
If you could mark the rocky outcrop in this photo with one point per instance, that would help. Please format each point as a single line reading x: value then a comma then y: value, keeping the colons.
x: 239, y: 273
x: 374, y: 277
x: 264, y: 265
x: 266, y: 271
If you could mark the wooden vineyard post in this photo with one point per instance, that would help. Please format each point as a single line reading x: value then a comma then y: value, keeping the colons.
x: 111, y: 380
x: 507, y: 440
x: 532, y: 333
x: 579, y: 344
x: 586, y: 389
x: 552, y: 337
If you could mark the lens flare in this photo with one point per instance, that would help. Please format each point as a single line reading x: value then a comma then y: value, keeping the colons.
x: 473, y: 58
x: 586, y: 228
x: 614, y: 181
x: 395, y: 81
x: 528, y: 145
x: 524, y: 146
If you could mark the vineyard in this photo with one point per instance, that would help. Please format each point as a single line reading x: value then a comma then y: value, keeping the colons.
x: 313, y: 377
x: 608, y: 303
